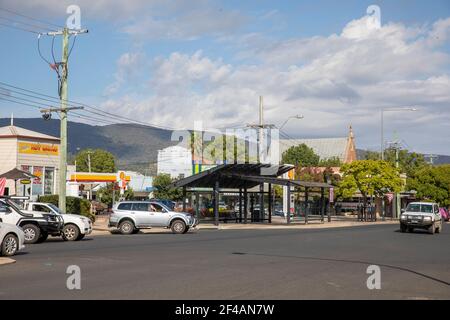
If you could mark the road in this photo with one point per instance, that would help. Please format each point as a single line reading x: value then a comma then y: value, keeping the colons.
x: 244, y: 264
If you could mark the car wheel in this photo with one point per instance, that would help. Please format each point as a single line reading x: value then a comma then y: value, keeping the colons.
x: 32, y: 233
x: 43, y: 237
x: 178, y: 226
x: 402, y: 228
x: 70, y: 232
x: 410, y: 229
x: 126, y: 227
x: 10, y: 245
x: 432, y: 229
x: 187, y: 229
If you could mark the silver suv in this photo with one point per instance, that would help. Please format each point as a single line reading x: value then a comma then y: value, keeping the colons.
x: 130, y: 216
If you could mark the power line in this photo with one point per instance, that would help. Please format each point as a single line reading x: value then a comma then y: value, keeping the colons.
x: 94, y: 110
x: 31, y: 18
x: 18, y: 28
x: 25, y: 24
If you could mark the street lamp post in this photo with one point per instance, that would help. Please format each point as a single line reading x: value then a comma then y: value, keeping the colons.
x: 289, y: 118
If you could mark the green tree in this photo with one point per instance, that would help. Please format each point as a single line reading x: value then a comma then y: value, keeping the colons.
x: 105, y: 194
x: 432, y: 183
x: 162, y: 189
x: 330, y: 162
x: 301, y: 155
x: 409, y: 162
x: 370, y: 177
x: 101, y: 161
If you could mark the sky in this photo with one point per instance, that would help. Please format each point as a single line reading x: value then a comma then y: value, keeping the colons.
x: 171, y: 63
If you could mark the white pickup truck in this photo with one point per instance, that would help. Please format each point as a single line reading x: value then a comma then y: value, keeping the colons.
x: 76, y: 227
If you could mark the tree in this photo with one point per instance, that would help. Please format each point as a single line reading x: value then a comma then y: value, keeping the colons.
x: 370, y: 177
x: 301, y: 155
x: 409, y: 162
x: 330, y: 162
x: 101, y: 161
x: 432, y: 183
x: 162, y: 189
x: 105, y: 194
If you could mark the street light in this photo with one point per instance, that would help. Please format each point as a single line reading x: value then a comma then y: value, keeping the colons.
x: 291, y: 117
x: 383, y: 110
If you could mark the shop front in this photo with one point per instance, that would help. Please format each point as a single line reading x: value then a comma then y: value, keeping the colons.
x: 31, y: 152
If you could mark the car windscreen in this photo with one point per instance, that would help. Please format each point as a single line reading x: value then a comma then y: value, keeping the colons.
x: 418, y: 207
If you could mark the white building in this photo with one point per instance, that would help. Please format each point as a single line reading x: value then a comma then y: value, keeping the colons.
x: 175, y: 161
x: 33, y: 152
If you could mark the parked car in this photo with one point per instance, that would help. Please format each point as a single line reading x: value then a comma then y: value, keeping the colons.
x: 12, y: 239
x: 444, y: 214
x: 36, y: 227
x: 75, y: 228
x: 130, y: 216
x: 421, y: 215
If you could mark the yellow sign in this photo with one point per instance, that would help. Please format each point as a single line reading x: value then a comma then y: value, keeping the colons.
x: 38, y: 148
x: 25, y: 181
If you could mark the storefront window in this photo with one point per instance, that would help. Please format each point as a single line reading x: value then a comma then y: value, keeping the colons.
x: 49, y: 180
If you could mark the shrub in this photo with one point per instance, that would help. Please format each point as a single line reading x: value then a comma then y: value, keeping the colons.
x: 74, y: 205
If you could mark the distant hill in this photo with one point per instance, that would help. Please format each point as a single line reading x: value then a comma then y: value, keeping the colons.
x: 440, y: 159
x: 135, y: 146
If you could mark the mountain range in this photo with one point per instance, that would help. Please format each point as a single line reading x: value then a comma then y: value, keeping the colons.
x: 135, y: 146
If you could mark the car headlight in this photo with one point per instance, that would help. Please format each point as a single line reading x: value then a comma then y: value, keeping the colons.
x: 403, y: 217
x: 427, y: 219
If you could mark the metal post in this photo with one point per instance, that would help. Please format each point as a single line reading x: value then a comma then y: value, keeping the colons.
x: 197, y: 205
x: 270, y: 203
x: 63, y: 128
x: 288, y: 217
x: 245, y: 205
x: 252, y: 207
x: 184, y: 199
x: 397, y: 195
x: 240, y: 205
x: 382, y: 136
x: 322, y: 203
x: 261, y: 203
x: 216, y: 203
x: 306, y: 205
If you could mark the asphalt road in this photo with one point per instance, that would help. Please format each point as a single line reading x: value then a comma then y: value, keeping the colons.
x: 245, y: 264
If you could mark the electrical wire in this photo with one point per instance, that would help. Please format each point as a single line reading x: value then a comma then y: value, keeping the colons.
x: 26, y: 24
x: 18, y: 28
x: 39, y: 50
x: 31, y: 18
x: 97, y: 111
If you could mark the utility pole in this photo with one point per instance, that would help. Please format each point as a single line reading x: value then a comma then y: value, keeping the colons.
x: 89, y: 166
x: 396, y: 146
x: 65, y: 33
x: 260, y: 127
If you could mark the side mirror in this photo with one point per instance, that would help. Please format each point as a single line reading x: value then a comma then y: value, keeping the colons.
x: 402, y: 210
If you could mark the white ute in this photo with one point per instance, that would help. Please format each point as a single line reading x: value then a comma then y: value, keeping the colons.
x: 76, y: 227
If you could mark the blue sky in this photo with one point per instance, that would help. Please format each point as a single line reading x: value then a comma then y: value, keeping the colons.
x: 174, y: 62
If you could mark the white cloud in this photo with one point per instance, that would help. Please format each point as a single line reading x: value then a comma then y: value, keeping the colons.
x: 143, y: 19
x: 334, y: 81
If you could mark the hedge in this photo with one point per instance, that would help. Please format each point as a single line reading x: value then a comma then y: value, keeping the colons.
x: 73, y: 204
